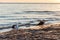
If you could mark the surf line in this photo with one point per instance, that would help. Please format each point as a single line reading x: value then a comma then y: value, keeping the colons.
x: 17, y: 25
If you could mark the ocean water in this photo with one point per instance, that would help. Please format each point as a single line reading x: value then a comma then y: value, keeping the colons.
x: 11, y: 14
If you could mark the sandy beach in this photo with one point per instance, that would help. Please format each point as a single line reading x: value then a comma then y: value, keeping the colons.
x: 45, y: 32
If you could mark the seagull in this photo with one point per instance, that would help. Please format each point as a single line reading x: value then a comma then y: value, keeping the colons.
x: 15, y: 26
x: 42, y: 22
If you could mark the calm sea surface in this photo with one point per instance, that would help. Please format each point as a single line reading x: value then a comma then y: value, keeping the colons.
x: 25, y: 13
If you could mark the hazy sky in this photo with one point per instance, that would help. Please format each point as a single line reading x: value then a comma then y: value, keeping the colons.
x: 35, y: 1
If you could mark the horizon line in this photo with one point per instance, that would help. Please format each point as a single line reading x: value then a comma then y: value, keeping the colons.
x: 24, y: 3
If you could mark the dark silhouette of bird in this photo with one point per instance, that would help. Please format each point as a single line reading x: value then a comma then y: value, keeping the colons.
x: 42, y: 22
x: 13, y: 26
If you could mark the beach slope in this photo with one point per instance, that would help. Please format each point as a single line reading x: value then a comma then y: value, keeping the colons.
x: 45, y: 32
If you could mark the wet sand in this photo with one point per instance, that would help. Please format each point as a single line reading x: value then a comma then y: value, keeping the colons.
x: 45, y: 32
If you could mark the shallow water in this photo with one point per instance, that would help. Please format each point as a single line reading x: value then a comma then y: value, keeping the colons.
x: 23, y: 13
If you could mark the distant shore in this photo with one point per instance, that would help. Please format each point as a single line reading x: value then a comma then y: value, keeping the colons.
x: 44, y: 32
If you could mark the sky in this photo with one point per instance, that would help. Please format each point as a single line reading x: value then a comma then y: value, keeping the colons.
x: 32, y: 1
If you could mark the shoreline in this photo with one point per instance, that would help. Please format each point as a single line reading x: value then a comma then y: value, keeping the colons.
x: 35, y: 27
